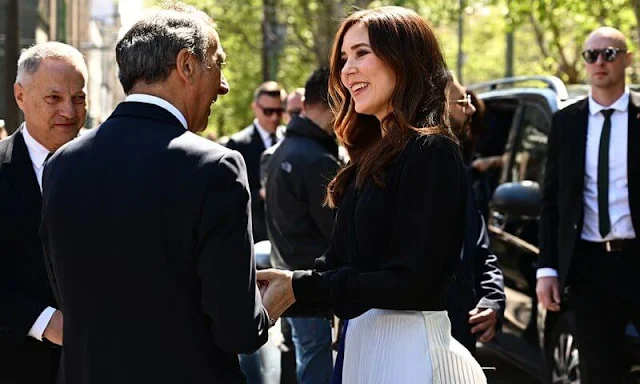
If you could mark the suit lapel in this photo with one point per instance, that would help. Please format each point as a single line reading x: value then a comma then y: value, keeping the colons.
x: 579, y: 150
x: 256, y: 140
x: 22, y: 177
x: 633, y: 159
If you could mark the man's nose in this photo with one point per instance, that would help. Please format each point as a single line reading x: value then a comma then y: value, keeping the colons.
x: 224, y: 85
x: 67, y: 109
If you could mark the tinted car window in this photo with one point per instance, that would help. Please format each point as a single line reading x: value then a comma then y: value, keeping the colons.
x: 531, y: 149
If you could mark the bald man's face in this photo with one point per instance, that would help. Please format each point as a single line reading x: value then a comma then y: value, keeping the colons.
x: 602, y: 73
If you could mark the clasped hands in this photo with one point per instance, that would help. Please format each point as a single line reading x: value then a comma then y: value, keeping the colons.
x: 276, y: 290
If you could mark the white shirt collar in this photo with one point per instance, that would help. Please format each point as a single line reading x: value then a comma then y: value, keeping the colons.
x: 160, y: 102
x: 264, y: 134
x: 37, y: 152
x: 620, y: 105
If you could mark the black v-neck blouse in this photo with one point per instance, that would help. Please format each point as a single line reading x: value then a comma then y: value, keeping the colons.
x: 397, y: 247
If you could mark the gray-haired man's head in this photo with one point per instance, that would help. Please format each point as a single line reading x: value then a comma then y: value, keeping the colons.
x: 174, y: 54
x: 50, y: 89
x: 148, y: 51
x: 30, y: 59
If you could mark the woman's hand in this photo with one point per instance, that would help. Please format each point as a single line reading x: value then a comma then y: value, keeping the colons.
x: 276, y: 290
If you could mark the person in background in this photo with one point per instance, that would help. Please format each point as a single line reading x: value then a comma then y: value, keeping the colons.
x: 267, y: 106
x: 476, y: 297
x: 51, y: 89
x: 590, y: 214
x: 293, y: 104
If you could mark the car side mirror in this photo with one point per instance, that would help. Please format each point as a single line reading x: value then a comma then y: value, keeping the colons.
x: 518, y: 198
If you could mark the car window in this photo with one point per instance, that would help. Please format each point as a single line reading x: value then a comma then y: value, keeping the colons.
x: 531, y: 148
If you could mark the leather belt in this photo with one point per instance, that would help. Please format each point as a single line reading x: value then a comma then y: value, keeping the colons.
x: 615, y: 245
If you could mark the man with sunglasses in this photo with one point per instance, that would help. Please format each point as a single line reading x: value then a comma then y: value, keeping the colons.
x: 267, y: 106
x: 590, y: 214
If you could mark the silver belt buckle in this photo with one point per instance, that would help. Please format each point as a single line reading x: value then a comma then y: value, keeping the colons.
x: 612, y: 246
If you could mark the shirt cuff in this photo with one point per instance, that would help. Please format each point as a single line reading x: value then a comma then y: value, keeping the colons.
x: 546, y: 272
x: 37, y: 329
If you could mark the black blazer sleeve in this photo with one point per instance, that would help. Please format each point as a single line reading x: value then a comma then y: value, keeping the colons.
x: 549, y: 211
x: 254, y: 189
x: 431, y: 200
x: 489, y: 278
x: 239, y: 322
x: 19, y: 312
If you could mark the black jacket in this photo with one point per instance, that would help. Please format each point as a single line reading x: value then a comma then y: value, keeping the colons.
x: 250, y: 145
x: 24, y: 287
x: 146, y: 238
x: 478, y: 282
x: 397, y: 247
x: 297, y: 175
x: 562, y: 210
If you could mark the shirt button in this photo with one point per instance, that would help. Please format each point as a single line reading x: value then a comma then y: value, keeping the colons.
x: 575, y: 226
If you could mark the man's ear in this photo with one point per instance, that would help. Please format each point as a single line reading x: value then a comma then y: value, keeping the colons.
x: 185, y: 65
x: 18, y: 93
x: 629, y: 59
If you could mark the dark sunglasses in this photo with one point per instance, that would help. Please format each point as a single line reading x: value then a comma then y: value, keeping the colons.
x: 294, y: 112
x: 608, y: 54
x: 270, y: 111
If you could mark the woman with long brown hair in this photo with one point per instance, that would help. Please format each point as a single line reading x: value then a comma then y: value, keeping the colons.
x: 400, y: 208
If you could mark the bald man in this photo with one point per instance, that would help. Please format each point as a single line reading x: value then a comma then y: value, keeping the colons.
x: 293, y: 104
x: 590, y: 214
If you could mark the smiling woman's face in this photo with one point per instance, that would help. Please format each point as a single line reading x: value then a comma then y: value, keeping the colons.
x: 369, y: 80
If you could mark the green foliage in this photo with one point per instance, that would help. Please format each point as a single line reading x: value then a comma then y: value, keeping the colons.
x: 548, y: 39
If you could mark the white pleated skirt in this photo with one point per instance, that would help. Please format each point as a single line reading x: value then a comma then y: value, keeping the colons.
x: 398, y: 347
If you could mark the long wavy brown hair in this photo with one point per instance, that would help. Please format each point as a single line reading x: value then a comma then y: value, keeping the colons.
x: 405, y: 42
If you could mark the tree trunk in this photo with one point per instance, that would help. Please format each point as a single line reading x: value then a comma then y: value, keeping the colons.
x: 11, y: 49
x: 636, y: 10
x: 273, y: 34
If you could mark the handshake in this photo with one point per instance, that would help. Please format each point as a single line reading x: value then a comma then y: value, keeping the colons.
x: 276, y: 290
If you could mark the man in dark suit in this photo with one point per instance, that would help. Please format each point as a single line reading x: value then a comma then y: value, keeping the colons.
x: 50, y: 89
x: 267, y: 105
x: 145, y: 225
x: 591, y: 210
x: 476, y: 296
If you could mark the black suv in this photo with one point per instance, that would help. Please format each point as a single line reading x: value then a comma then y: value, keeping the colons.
x: 541, y: 342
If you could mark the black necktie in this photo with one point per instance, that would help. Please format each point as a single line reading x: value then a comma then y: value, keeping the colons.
x: 274, y: 138
x: 604, y: 220
x: 47, y: 158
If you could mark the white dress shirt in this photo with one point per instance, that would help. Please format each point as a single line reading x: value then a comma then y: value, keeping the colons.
x: 265, y: 135
x: 619, y: 211
x: 38, y: 154
x: 160, y: 102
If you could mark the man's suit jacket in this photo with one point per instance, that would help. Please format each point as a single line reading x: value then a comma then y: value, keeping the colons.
x: 562, y: 194
x: 249, y: 143
x: 24, y: 287
x: 148, y: 245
